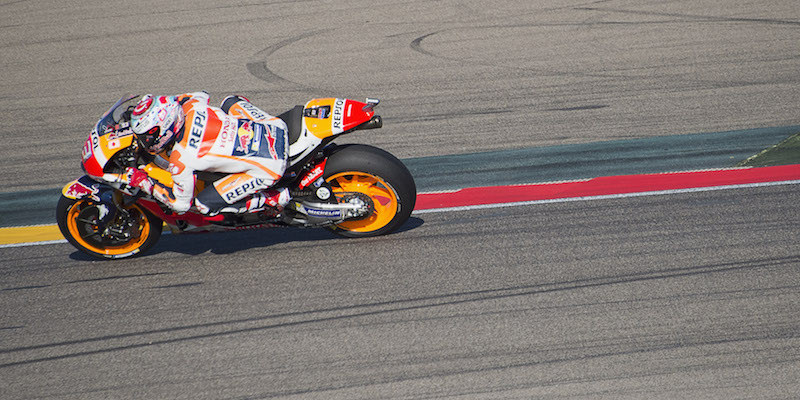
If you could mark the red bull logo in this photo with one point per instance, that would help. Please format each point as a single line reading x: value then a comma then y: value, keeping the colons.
x: 77, y: 190
x: 245, y: 135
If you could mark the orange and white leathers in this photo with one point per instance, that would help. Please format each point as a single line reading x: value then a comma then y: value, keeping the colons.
x: 248, y: 144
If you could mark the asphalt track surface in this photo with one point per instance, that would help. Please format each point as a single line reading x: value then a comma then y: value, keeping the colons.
x: 683, y: 296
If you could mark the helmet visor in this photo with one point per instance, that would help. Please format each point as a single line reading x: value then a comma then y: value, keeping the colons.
x: 150, y: 138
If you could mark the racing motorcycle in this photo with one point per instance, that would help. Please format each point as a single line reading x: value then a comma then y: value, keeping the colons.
x: 353, y: 190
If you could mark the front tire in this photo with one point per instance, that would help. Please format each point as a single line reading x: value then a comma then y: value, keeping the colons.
x: 380, y: 176
x: 78, y: 222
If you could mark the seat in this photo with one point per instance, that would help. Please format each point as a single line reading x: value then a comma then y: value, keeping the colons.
x: 294, y: 121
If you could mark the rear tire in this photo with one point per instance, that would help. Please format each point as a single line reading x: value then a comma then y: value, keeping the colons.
x: 77, y: 222
x: 380, y: 176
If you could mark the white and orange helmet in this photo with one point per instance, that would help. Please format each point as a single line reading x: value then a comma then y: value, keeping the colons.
x: 156, y: 122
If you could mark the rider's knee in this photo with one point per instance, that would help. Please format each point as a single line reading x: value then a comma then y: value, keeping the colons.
x: 229, y: 101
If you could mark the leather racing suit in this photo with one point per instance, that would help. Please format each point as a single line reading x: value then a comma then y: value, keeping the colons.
x: 246, y: 143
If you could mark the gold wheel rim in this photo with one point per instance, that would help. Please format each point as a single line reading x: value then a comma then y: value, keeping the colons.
x: 125, y: 248
x: 382, y: 194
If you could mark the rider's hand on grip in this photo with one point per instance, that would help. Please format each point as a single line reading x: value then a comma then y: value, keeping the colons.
x: 138, y: 178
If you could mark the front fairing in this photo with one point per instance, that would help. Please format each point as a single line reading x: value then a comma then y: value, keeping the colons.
x: 111, y: 134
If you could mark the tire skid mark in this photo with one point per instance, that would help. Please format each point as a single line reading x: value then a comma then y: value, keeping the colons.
x: 259, y: 69
x: 117, y: 277
x: 703, y: 18
x: 144, y: 339
x: 14, y: 289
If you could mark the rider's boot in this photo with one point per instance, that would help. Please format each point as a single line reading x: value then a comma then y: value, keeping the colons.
x: 275, y: 198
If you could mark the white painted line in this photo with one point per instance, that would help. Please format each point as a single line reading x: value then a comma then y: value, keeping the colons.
x: 5, y: 246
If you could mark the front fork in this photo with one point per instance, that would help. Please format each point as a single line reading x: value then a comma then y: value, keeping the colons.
x: 108, y: 202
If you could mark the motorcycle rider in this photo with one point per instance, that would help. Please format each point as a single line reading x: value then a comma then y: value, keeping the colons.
x: 238, y: 139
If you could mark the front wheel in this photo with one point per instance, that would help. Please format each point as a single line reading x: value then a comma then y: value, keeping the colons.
x: 376, y: 176
x: 127, y: 234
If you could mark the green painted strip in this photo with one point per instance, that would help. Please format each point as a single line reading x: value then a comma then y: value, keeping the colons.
x: 786, y: 152
x: 620, y: 157
x: 35, y: 207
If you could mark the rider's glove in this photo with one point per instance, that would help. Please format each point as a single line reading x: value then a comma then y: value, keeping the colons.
x: 138, y: 178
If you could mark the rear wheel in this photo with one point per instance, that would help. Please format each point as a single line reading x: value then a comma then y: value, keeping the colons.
x: 126, y: 236
x: 379, y: 179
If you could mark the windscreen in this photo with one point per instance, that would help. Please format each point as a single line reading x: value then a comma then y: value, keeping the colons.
x: 109, y: 122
